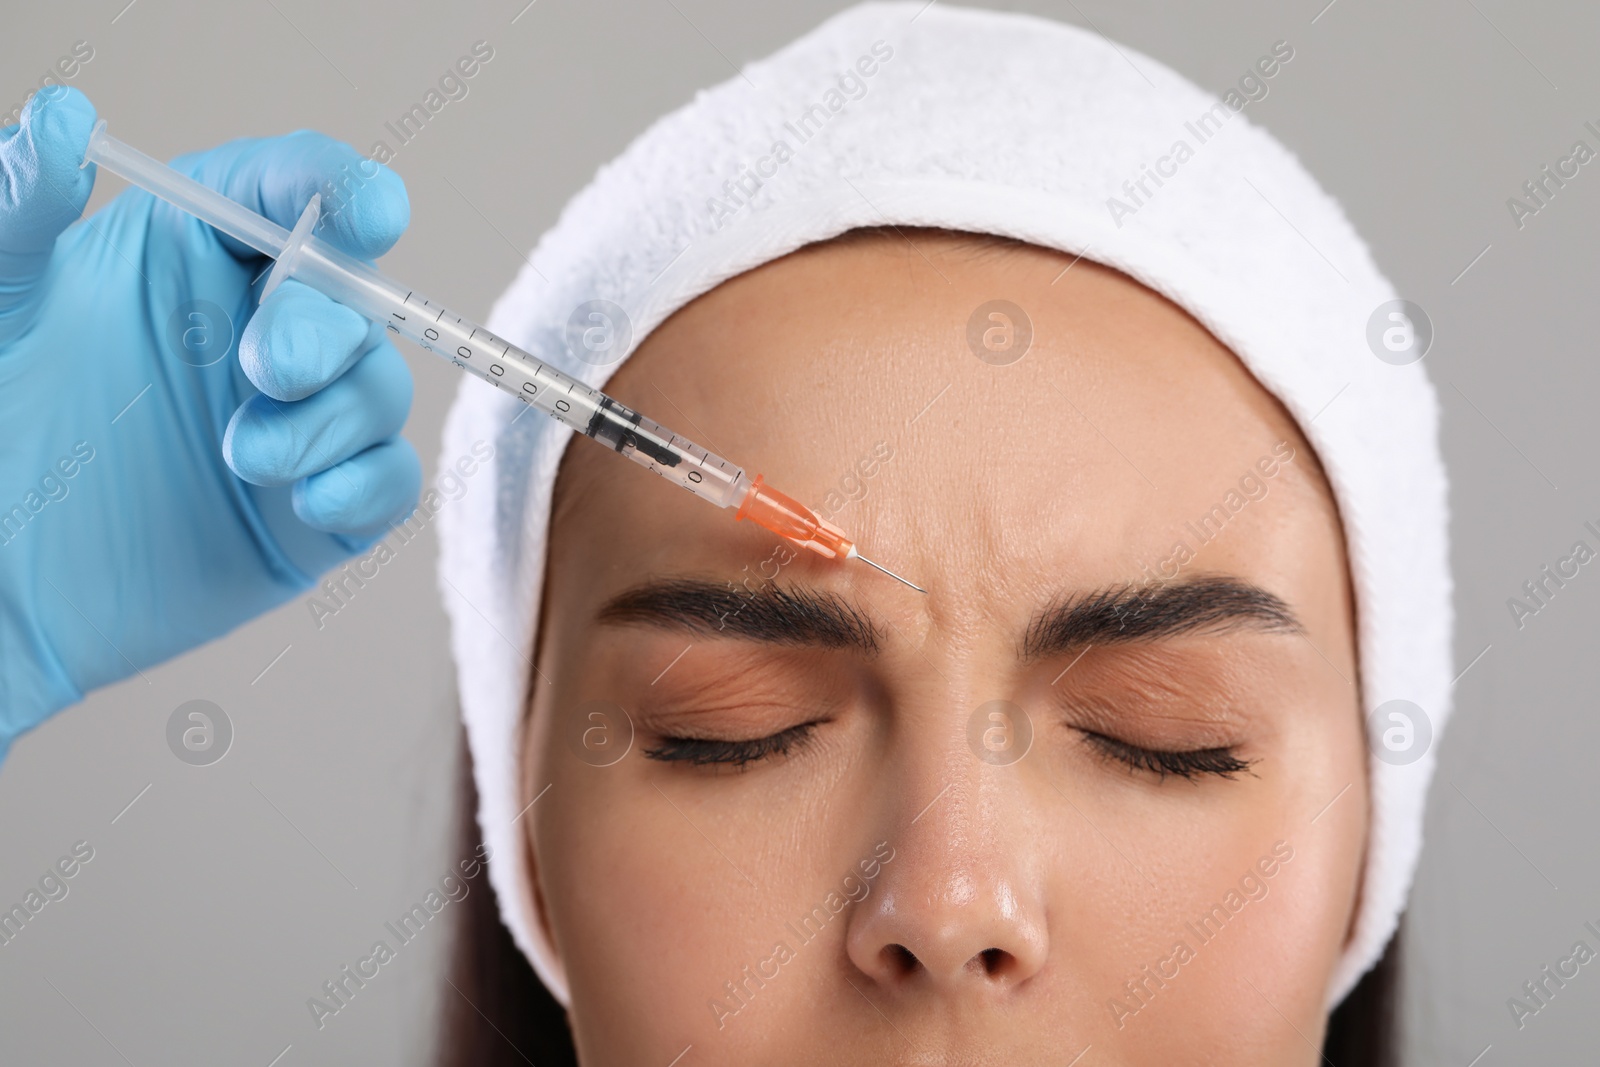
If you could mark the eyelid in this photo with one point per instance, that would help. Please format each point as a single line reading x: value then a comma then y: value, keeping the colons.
x: 733, y: 721
x: 1178, y: 718
x: 751, y: 680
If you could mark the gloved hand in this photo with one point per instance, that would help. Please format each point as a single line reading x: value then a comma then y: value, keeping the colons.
x: 151, y: 498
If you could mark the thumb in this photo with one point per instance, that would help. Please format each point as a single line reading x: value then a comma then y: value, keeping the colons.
x: 42, y: 191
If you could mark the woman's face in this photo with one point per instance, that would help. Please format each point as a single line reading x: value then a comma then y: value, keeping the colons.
x: 1102, y: 788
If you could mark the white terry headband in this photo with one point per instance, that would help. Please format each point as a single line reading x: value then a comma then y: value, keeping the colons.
x: 1004, y: 124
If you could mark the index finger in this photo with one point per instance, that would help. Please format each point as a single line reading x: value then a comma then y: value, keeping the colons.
x: 364, y: 204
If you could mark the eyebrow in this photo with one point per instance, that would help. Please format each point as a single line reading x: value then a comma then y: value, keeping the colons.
x: 800, y: 617
x: 773, y: 614
x: 1131, y: 613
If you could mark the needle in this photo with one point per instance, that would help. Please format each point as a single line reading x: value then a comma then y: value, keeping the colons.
x: 890, y: 573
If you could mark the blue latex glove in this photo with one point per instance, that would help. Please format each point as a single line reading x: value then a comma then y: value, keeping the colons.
x: 149, y: 503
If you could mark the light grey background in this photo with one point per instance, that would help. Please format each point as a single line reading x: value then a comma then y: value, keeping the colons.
x: 225, y: 895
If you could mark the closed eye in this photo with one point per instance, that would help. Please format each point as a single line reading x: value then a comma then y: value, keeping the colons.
x: 701, y: 752
x: 1190, y: 764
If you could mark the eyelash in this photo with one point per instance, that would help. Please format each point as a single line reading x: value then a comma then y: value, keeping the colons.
x: 1189, y: 765
x: 704, y: 752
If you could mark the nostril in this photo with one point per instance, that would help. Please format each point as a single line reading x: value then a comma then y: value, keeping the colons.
x: 901, y: 960
x: 993, y: 960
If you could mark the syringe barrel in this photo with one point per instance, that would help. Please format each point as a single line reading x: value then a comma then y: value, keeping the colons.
x: 431, y: 326
x: 495, y: 360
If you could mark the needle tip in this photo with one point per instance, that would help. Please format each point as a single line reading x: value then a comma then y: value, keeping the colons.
x: 891, y: 574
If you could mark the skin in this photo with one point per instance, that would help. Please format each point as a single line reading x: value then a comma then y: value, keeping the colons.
x: 1010, y: 902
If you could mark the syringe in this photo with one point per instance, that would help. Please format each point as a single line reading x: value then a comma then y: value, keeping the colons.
x: 315, y: 263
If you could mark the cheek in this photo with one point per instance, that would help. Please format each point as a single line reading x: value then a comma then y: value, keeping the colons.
x: 648, y: 930
x: 661, y: 891
x: 1199, y: 964
x: 1167, y: 870
x: 627, y: 916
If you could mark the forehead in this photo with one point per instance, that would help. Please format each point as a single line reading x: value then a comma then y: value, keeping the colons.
x: 868, y: 378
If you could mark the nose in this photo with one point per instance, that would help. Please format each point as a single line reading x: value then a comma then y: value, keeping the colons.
x: 960, y: 907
